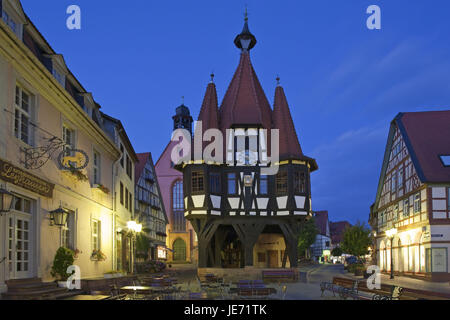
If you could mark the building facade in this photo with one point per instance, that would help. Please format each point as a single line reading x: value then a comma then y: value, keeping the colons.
x: 321, y: 249
x: 242, y: 215
x: 411, y: 215
x: 123, y: 194
x: 54, y: 154
x: 337, y: 230
x: 149, y: 207
x: 181, y: 239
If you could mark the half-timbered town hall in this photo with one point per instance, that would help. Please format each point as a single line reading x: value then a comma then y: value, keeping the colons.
x: 243, y: 216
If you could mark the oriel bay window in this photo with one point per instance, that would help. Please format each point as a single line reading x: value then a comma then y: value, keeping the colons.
x: 281, y: 183
x: 198, y: 184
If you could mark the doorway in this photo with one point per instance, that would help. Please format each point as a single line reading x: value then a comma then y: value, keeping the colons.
x: 273, y: 259
x: 20, y: 235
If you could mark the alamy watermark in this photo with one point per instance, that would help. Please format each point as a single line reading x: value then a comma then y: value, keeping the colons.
x: 374, y: 20
x: 73, y: 22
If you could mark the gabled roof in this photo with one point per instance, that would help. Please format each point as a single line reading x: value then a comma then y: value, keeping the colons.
x: 427, y: 137
x: 289, y: 147
x: 337, y: 230
x: 245, y: 102
x: 139, y: 169
x: 321, y: 219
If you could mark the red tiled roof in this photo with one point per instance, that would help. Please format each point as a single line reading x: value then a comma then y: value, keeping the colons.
x: 321, y: 219
x: 140, y: 165
x: 245, y: 102
x: 337, y: 230
x: 282, y: 120
x: 427, y: 136
x: 209, y: 113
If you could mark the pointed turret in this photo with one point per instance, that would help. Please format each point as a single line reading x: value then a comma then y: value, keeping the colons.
x: 282, y: 120
x: 209, y: 113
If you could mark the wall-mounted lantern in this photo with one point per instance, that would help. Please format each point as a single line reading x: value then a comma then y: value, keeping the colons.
x: 6, y: 198
x: 59, y: 217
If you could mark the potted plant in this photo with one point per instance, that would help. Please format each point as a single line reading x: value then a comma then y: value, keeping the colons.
x: 64, y: 258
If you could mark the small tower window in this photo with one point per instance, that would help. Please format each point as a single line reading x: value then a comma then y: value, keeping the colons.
x: 232, y: 183
x: 282, y: 183
x: 214, y: 182
x: 299, y: 182
x: 264, y: 184
x: 198, y: 184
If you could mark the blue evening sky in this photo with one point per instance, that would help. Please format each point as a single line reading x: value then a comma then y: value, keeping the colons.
x: 344, y: 83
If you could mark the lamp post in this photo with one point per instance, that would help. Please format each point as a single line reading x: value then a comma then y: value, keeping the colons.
x: 391, y: 234
x: 134, y: 228
x: 6, y: 198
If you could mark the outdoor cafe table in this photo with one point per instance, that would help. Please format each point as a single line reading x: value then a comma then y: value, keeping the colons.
x: 136, y: 289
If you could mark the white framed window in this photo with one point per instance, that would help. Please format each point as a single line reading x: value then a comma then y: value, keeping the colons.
x: 68, y: 232
x: 400, y: 179
x: 22, y: 115
x: 95, y: 234
x: 417, y: 203
x: 69, y: 139
x: 406, y: 208
x: 97, y: 167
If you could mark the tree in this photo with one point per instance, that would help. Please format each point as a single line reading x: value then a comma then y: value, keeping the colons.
x: 337, y: 252
x: 356, y: 240
x: 308, y: 233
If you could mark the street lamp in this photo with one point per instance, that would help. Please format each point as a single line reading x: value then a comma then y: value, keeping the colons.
x: 6, y: 198
x: 134, y: 228
x: 391, y: 234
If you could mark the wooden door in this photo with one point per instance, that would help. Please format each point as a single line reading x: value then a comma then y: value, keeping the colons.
x: 273, y: 259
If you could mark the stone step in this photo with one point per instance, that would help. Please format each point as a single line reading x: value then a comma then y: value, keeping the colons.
x: 39, y: 294
x: 15, y: 282
x: 68, y: 294
x: 31, y: 287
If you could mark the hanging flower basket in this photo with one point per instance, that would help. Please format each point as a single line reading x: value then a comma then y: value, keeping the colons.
x: 101, y: 188
x: 98, y: 255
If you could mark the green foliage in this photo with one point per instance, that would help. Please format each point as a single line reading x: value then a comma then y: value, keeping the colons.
x: 142, y: 246
x: 308, y: 233
x: 356, y: 240
x: 337, y: 252
x: 64, y: 258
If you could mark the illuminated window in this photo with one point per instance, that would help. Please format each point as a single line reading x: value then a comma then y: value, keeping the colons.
x: 179, y: 221
x: 95, y: 239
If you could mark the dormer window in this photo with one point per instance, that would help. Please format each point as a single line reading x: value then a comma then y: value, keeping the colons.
x: 9, y: 21
x: 446, y: 160
x: 59, y: 77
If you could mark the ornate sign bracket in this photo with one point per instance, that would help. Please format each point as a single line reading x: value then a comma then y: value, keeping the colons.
x: 36, y: 158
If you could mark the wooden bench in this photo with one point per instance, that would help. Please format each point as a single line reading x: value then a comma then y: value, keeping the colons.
x: 346, y: 288
x: 277, y: 275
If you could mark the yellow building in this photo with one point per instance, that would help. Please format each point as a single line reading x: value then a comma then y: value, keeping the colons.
x: 54, y: 153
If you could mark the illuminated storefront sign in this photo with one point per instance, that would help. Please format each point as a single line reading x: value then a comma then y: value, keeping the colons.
x: 21, y: 178
x: 162, y: 253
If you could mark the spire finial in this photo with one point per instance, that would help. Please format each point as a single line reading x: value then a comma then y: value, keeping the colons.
x: 278, y: 80
x: 246, y: 14
x: 182, y: 100
x: 245, y: 40
x: 212, y: 77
